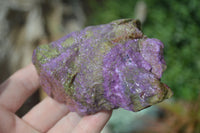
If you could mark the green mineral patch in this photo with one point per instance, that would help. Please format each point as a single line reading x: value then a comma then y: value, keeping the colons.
x: 163, y: 92
x: 134, y: 23
x: 137, y: 105
x: 88, y: 34
x: 166, y: 92
x: 69, y: 89
x: 128, y: 28
x: 68, y: 42
x: 69, y: 84
x: 118, y: 30
x: 44, y: 53
x: 105, y: 47
x: 153, y: 99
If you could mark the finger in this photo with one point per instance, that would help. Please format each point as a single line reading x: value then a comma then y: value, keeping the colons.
x: 44, y: 115
x: 18, y: 88
x: 10, y: 123
x: 93, y: 123
x: 66, y: 124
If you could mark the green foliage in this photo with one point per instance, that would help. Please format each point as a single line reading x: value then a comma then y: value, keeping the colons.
x: 176, y: 24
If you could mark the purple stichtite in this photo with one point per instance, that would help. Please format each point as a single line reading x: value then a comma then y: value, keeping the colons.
x: 103, y: 67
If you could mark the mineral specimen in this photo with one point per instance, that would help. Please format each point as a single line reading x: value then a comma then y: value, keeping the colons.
x: 103, y: 68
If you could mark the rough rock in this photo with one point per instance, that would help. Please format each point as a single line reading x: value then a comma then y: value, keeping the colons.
x: 103, y: 67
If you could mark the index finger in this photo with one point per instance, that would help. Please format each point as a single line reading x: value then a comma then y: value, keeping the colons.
x: 16, y: 89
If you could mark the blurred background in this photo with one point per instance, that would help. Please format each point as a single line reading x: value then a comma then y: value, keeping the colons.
x: 25, y: 24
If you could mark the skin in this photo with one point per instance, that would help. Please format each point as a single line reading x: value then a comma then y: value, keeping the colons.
x: 47, y: 116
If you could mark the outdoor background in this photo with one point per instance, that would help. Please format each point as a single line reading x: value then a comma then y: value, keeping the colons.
x: 25, y: 24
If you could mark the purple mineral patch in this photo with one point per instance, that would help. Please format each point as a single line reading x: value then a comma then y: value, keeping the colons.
x: 103, y: 68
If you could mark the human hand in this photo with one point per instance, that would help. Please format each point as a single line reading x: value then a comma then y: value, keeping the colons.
x: 47, y: 116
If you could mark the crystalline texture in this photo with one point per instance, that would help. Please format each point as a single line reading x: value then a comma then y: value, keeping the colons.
x: 103, y: 67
